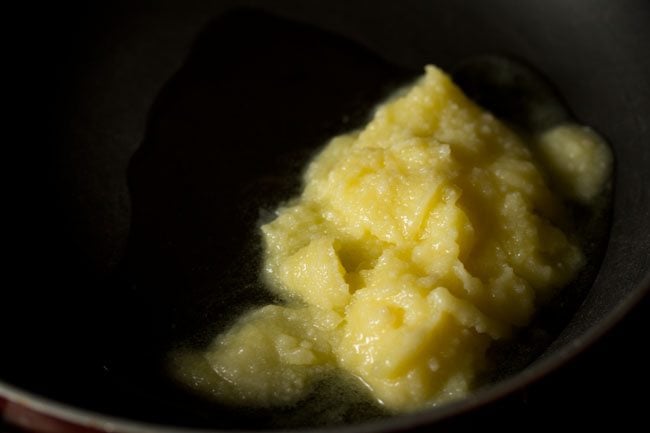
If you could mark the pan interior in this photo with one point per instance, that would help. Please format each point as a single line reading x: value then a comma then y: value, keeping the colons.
x: 106, y: 279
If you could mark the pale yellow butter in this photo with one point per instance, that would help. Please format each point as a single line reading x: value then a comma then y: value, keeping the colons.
x: 416, y: 242
x: 579, y: 160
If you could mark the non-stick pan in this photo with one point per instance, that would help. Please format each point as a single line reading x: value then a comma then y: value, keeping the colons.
x: 146, y: 140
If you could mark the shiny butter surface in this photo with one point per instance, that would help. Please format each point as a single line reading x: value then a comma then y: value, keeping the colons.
x: 416, y: 242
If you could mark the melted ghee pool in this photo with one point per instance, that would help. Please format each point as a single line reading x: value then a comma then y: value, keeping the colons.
x: 416, y: 242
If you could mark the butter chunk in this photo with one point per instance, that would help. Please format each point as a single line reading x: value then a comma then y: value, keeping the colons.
x: 416, y: 242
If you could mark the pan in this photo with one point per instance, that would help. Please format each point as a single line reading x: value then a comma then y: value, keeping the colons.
x: 146, y: 140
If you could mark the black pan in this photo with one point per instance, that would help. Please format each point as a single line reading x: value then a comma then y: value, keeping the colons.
x: 147, y: 139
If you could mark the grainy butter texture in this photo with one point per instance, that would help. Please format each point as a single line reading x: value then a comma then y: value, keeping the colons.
x: 416, y: 242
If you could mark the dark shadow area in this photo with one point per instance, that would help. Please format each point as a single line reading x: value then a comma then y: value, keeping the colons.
x: 227, y: 140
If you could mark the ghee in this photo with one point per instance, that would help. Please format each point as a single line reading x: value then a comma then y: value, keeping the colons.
x: 416, y: 242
